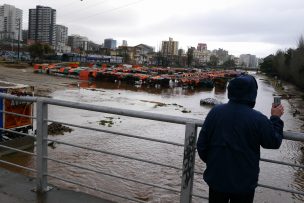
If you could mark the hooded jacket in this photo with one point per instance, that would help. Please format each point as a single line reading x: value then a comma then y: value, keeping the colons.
x: 230, y: 139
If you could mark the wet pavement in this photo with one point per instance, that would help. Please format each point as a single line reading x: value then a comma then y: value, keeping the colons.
x: 15, y: 188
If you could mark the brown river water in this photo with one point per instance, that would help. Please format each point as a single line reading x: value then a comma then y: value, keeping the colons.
x: 146, y: 99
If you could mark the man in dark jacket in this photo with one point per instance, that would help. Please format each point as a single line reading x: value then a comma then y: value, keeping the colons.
x: 230, y: 139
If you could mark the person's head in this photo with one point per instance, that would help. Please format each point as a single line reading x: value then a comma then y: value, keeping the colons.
x: 243, y: 89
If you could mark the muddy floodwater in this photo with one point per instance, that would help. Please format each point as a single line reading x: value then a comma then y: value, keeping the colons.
x: 173, y: 101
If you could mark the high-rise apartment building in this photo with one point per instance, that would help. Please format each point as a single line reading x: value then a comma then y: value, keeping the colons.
x: 10, y: 22
x: 221, y: 54
x: 124, y: 43
x: 202, y: 57
x: 248, y: 60
x: 42, y: 25
x: 201, y: 46
x: 170, y: 48
x: 61, y: 34
x: 62, y: 39
x: 110, y: 43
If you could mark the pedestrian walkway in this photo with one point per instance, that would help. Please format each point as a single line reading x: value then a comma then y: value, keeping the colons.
x: 15, y: 188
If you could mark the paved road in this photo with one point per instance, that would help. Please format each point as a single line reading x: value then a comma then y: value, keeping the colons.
x: 15, y: 188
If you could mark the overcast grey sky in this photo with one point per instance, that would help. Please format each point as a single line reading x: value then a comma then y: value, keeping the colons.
x: 257, y: 27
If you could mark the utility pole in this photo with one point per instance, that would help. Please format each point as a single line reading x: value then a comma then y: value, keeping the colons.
x: 19, y: 30
x: 12, y: 40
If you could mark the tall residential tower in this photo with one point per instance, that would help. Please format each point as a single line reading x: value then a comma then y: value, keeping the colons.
x: 169, y: 48
x: 42, y: 25
x: 10, y: 22
x: 62, y: 39
x: 110, y: 43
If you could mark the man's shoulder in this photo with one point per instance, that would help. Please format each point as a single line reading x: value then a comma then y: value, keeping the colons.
x: 218, y: 108
x: 258, y: 114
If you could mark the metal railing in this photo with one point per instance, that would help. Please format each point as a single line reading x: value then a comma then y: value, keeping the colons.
x: 189, y: 147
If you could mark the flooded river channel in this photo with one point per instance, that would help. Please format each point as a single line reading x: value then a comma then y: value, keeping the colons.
x: 173, y: 101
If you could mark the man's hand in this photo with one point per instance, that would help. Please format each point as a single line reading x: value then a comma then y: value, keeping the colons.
x: 277, y: 110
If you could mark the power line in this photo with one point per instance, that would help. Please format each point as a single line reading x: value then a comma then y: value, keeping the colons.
x: 105, y: 11
x: 110, y: 10
x: 82, y: 9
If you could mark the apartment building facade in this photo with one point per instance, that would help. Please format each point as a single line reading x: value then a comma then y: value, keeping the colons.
x: 248, y: 61
x: 42, y: 25
x: 10, y: 22
x: 169, y: 48
x: 78, y: 42
x: 110, y: 43
x: 62, y: 39
x: 201, y: 47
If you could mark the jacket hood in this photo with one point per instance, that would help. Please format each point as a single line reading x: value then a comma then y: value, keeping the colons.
x: 243, y: 89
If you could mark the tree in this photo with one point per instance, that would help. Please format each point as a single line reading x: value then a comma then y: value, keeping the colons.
x: 190, y: 56
x: 300, y: 43
x: 124, y: 52
x: 39, y: 50
x: 213, y: 60
x: 288, y: 65
x: 229, y: 63
x: 267, y: 65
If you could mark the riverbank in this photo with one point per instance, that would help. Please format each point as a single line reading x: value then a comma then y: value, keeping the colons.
x: 44, y: 85
x: 293, y: 94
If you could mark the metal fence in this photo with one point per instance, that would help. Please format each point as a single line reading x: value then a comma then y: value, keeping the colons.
x: 189, y: 147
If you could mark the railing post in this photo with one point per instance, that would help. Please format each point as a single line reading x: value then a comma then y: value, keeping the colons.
x: 41, y: 145
x: 188, y: 163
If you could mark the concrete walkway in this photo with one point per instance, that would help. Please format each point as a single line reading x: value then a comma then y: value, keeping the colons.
x: 15, y: 188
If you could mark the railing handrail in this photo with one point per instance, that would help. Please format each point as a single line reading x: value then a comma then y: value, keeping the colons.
x: 191, y: 125
x: 19, y: 98
x: 288, y: 135
x: 124, y: 112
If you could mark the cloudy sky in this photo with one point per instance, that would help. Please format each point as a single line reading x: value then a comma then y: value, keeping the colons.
x: 257, y: 27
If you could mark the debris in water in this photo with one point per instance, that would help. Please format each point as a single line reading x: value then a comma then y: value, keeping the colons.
x: 157, y: 104
x: 105, y: 122
x: 160, y: 105
x: 52, y: 145
x: 174, y: 104
x: 296, y: 112
x: 95, y: 89
x: 58, y: 129
x: 186, y: 111
x: 108, y: 121
x: 210, y: 102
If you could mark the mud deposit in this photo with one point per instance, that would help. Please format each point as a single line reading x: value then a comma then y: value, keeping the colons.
x: 58, y: 129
